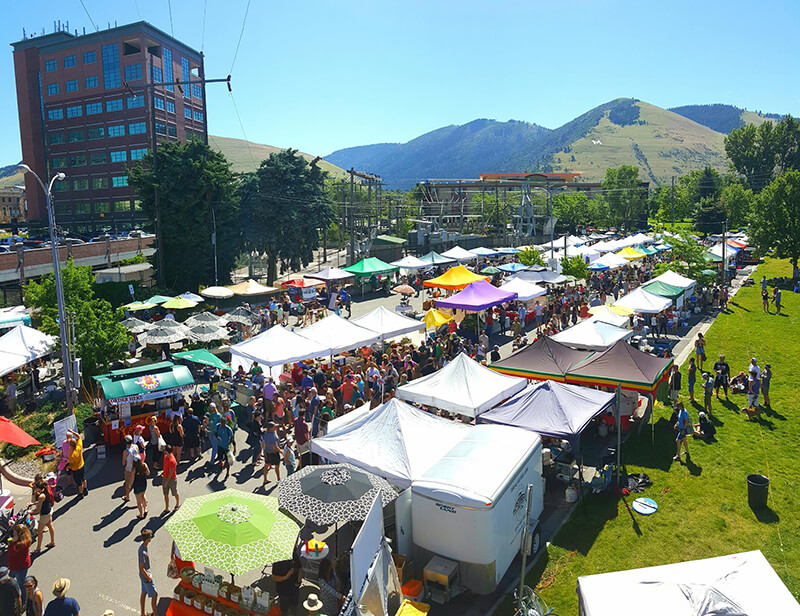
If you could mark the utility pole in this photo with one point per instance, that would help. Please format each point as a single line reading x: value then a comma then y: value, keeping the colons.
x: 673, y: 203
x: 350, y: 214
x: 461, y: 216
x: 724, y: 252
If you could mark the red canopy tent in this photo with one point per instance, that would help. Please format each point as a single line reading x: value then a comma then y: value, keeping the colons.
x: 301, y: 283
x: 14, y: 435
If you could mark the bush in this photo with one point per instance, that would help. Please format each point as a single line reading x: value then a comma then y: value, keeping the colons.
x: 39, y: 425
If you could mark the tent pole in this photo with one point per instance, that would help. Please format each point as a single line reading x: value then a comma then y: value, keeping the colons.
x: 619, y: 431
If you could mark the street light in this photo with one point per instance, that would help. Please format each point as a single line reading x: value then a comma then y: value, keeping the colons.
x: 62, y: 311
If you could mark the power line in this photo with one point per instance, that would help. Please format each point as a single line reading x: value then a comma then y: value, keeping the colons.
x: 89, y: 16
x: 138, y: 13
x: 203, y: 35
x: 244, y: 134
x: 171, y: 28
x: 241, y: 34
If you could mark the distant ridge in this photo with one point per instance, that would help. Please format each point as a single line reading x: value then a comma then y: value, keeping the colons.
x: 723, y: 118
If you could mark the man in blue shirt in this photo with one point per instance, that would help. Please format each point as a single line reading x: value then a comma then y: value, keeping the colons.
x: 224, y: 436
x: 62, y: 605
x: 307, y: 382
x: 344, y: 297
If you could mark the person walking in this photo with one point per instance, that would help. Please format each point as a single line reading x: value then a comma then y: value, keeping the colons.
x: 145, y: 577
x: 691, y: 378
x: 700, y: 350
x: 722, y: 372
x: 674, y: 384
x: 683, y: 430
x: 271, y: 448
x: 766, y: 379
x: 191, y: 430
x: 32, y: 598
x: 62, y: 605
x: 289, y: 457
x: 76, y: 463
x: 10, y: 594
x: 43, y: 498
x: 224, y: 436
x: 176, y: 435
x: 140, y: 487
x: 129, y: 456
x: 169, y: 479
x: 212, y: 420
x: 708, y: 391
x: 153, y: 451
x: 19, y: 553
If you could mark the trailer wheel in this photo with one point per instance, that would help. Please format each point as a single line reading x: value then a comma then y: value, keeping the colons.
x: 536, y: 540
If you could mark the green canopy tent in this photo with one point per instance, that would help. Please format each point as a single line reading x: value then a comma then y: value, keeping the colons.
x: 204, y: 357
x: 371, y: 266
x: 145, y: 382
x: 710, y: 257
x: 663, y: 289
x: 648, y: 250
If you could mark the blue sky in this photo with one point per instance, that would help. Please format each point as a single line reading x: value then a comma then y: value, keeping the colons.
x: 322, y: 75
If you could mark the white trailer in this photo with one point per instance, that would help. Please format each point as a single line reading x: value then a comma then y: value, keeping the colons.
x: 470, y: 506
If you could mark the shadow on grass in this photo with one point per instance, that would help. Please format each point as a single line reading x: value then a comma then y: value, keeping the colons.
x: 634, y: 524
x: 770, y: 412
x: 740, y: 307
x: 586, y: 523
x: 766, y: 516
x: 653, y: 447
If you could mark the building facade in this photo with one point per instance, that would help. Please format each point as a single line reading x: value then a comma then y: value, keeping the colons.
x: 13, y: 207
x: 87, y: 109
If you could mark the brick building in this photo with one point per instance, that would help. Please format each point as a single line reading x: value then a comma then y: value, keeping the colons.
x: 12, y: 204
x: 85, y: 109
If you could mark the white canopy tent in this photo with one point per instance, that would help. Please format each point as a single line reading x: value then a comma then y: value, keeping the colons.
x: 463, y: 386
x: 675, y: 279
x: 484, y: 252
x: 388, y: 324
x: 642, y: 238
x: 459, y: 254
x: 643, y: 302
x: 21, y: 346
x: 592, y: 335
x: 525, y: 290
x: 275, y: 347
x: 585, y: 252
x: 338, y: 334
x: 736, y: 584
x: 410, y: 262
x: 606, y: 315
x: 395, y: 441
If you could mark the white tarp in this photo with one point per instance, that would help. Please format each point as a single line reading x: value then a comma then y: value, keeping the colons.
x: 675, y: 279
x: 388, y: 324
x: 460, y: 254
x: 463, y: 386
x: 525, y: 290
x: 21, y: 346
x: 592, y: 335
x: 366, y: 546
x: 644, y: 302
x: 395, y: 441
x: 736, y: 585
x: 275, y: 347
x: 338, y: 334
x: 13, y: 316
x: 411, y: 262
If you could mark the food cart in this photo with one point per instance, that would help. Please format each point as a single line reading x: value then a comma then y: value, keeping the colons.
x: 133, y: 395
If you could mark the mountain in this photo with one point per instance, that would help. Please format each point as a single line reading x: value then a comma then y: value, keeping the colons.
x: 661, y: 142
x: 246, y: 156
x: 11, y: 176
x: 723, y: 118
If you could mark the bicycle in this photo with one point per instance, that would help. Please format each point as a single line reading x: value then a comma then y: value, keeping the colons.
x: 531, y: 604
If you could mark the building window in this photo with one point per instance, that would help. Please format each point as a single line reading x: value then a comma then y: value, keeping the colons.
x: 119, y: 181
x: 97, y: 158
x: 52, y: 88
x: 161, y: 128
x: 197, y: 90
x: 89, y: 57
x: 133, y: 72
x: 69, y: 61
x: 137, y: 204
x: 91, y: 82
x: 71, y: 85
x: 58, y: 162
x: 158, y: 102
x: 138, y: 153
x: 81, y: 208
x: 119, y: 157
x: 157, y: 75
x: 75, y: 111
x: 98, y: 132
x: 94, y: 108
x: 82, y: 184
x: 122, y: 206
x: 60, y: 186
x: 187, y: 112
x: 134, y: 102
x: 99, y: 182
x: 57, y: 138
x: 172, y: 130
x: 55, y: 114
x: 170, y: 107
x: 168, y: 76
x: 115, y: 105
x: 101, y: 207
x: 50, y: 66
x: 117, y: 131
x: 79, y: 160
x: 75, y: 136
x: 111, y: 76
x: 137, y: 128
x: 198, y: 115
x: 186, y: 75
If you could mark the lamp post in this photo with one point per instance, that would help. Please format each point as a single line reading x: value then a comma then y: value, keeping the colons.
x: 62, y: 311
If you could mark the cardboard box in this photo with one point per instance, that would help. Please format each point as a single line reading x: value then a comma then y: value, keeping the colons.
x: 399, y: 564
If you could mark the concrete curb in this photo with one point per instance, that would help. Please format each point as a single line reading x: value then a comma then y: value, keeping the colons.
x: 12, y: 476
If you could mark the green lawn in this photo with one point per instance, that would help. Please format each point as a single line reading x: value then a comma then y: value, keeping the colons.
x: 703, y: 506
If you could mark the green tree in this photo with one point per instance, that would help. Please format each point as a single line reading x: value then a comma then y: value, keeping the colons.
x: 738, y: 203
x: 100, y: 339
x: 687, y: 257
x: 775, y: 221
x: 762, y: 152
x: 627, y: 200
x: 709, y: 185
x: 574, y: 266
x: 710, y: 216
x: 572, y: 210
x: 196, y: 188
x: 530, y: 256
x: 285, y: 207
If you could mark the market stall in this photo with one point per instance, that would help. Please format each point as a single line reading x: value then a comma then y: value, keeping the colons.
x: 484, y: 252
x: 433, y: 259
x: 605, y: 314
x: 275, y: 347
x: 476, y: 296
x: 542, y: 276
x: 410, y: 262
x: 388, y: 324
x: 544, y: 359
x: 454, y: 279
x: 133, y: 395
x: 22, y: 345
x: 643, y: 302
x: 526, y: 291
x: 338, y: 334
x: 663, y: 289
x: 592, y: 335
x: 460, y: 254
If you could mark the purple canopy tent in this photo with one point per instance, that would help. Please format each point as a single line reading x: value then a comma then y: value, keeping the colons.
x: 476, y: 296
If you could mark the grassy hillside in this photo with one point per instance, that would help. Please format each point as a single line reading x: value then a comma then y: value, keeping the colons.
x: 659, y: 142
x: 723, y: 118
x: 247, y: 156
x: 12, y: 180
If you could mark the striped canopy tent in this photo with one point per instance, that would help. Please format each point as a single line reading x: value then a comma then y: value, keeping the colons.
x: 544, y: 359
x: 455, y: 279
x: 622, y: 365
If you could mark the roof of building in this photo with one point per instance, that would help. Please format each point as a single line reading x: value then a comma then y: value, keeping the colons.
x: 126, y: 269
x: 567, y: 177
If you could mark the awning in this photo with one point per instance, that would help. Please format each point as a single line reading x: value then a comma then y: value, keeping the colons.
x: 388, y: 324
x: 513, y: 268
x: 389, y: 239
x: 663, y: 289
x: 410, y: 262
x: 330, y: 274
x: 250, y: 287
x: 145, y: 382
x: 204, y: 357
x: 338, y: 334
x: 624, y: 365
x: 13, y: 316
x: 643, y: 302
x: 525, y: 291
x: 544, y: 359
x: 275, y: 347
x: 477, y: 296
x: 675, y: 279
x: 630, y: 254
x: 484, y: 252
x: 591, y: 335
x: 434, y: 258
x: 455, y: 278
x: 21, y: 346
x: 459, y: 254
x: 371, y: 266
x: 436, y: 318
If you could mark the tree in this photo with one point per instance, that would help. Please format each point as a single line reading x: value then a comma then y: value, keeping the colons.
x: 710, y: 216
x: 196, y: 188
x: 572, y: 210
x: 687, y: 257
x: 759, y: 153
x: 283, y: 208
x: 709, y: 185
x: 626, y: 198
x: 574, y: 266
x: 775, y: 222
x: 100, y: 338
x: 738, y: 203
x: 530, y: 256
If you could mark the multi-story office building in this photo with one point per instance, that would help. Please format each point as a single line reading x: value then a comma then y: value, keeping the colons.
x: 12, y: 204
x: 86, y: 109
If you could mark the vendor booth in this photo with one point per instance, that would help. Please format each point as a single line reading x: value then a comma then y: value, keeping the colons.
x: 410, y: 262
x: 592, y: 335
x: 463, y: 386
x: 657, y: 287
x: 388, y: 324
x: 275, y: 347
x: 643, y: 302
x: 606, y: 315
x: 22, y: 345
x: 133, y: 395
x: 544, y: 276
x: 526, y: 291
x: 476, y: 296
x: 544, y: 359
x: 736, y: 584
x: 433, y: 259
x: 338, y: 334
x: 460, y: 254
x: 455, y: 278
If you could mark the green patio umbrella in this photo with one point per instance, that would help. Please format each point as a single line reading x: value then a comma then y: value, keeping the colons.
x: 370, y: 266
x: 202, y: 356
x: 491, y: 270
x: 158, y: 299
x: 134, y: 306
x: 709, y: 272
x: 178, y: 303
x: 233, y: 531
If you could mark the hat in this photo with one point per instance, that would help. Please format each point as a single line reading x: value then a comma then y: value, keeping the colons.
x: 271, y: 424
x: 212, y: 405
x: 139, y: 428
x: 705, y: 375
x: 108, y: 613
x: 4, y: 574
x: 702, y: 415
x: 128, y: 438
x: 312, y: 603
x: 768, y: 366
x: 348, y: 407
x: 61, y: 586
x: 754, y: 360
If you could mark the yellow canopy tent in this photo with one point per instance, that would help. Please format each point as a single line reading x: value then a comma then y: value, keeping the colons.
x: 456, y: 278
x: 436, y: 318
x: 620, y: 310
x: 630, y: 254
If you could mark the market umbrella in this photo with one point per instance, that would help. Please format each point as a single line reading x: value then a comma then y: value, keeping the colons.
x: 217, y: 292
x: 178, y: 303
x: 134, y: 306
x: 240, y: 315
x: 205, y: 318
x: 436, y: 318
x: 251, y: 287
x: 171, y: 324
x: 136, y: 326
x: 204, y: 357
x: 404, y: 289
x: 333, y: 493
x: 192, y: 297
x: 301, y: 283
x: 14, y: 435
x: 207, y: 333
x: 233, y: 531
x: 491, y: 270
x: 159, y: 299
x: 164, y: 335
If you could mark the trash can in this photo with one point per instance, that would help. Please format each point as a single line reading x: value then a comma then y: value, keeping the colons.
x: 757, y: 490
